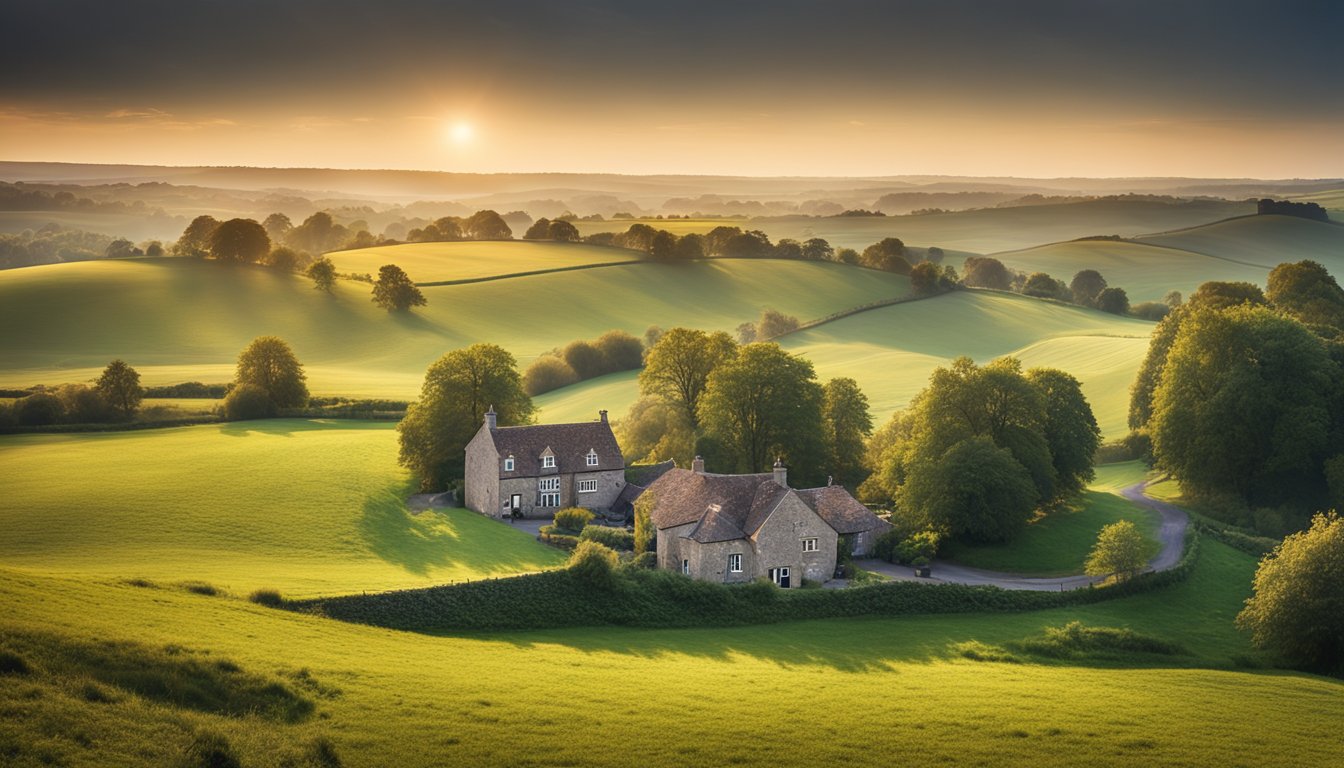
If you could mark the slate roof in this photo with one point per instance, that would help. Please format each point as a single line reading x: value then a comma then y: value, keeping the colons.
x: 728, y: 507
x: 569, y: 442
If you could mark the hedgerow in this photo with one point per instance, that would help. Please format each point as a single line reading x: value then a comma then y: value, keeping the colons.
x: 644, y: 598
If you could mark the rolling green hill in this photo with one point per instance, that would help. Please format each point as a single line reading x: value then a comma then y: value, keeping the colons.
x: 1266, y: 240
x: 306, y: 507
x: 180, y: 320
x: 444, y: 262
x: 892, y: 350
x: 979, y: 231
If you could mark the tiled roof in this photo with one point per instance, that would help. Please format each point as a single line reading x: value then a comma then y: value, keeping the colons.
x: 569, y: 442
x: 727, y: 507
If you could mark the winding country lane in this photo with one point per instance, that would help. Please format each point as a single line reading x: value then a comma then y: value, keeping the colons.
x: 1171, y: 535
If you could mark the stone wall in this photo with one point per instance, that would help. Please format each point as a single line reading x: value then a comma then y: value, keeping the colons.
x: 779, y: 543
x: 481, y: 493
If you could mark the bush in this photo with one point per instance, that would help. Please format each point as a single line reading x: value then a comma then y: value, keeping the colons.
x: 548, y: 373
x: 572, y: 520
x: 248, y: 401
x: 1075, y: 640
x: 594, y: 564
x: 201, y: 588
x: 901, y: 546
x: 617, y: 538
x: 550, y: 536
x: 38, y: 410
x: 267, y: 597
x: 622, y: 351
x: 644, y: 560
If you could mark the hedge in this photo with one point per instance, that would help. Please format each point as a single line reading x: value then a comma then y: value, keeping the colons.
x: 617, y: 538
x: 643, y: 598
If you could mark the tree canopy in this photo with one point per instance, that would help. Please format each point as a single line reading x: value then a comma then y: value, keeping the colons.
x: 1121, y: 550
x: 119, y: 385
x: 458, y: 389
x: 394, y: 290
x: 1297, y: 609
x: 269, y: 364
x: 1308, y: 292
x: 679, y: 364
x: 323, y: 274
x: 846, y: 425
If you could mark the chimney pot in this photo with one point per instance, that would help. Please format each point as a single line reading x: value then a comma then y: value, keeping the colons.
x: 698, y: 466
x: 603, y: 416
x: 781, y: 474
x: 490, y: 418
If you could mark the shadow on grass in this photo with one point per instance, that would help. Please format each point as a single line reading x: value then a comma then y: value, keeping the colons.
x: 442, y: 538
x: 283, y: 427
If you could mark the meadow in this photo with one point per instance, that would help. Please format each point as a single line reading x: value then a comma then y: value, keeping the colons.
x: 306, y: 507
x: 463, y: 261
x: 1265, y: 240
x: 180, y: 320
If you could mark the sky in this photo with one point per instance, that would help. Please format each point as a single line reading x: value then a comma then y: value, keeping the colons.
x: 1033, y: 88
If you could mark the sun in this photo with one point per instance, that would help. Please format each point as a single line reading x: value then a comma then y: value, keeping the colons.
x: 460, y: 133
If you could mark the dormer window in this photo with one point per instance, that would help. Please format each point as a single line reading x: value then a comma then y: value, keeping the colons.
x: 548, y: 462
x: 508, y: 464
x: 592, y: 458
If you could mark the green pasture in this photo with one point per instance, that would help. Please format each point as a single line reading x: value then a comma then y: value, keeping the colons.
x: 1058, y: 543
x: 302, y: 506
x: 1265, y: 240
x: 443, y: 262
x: 985, y: 230
x: 1144, y: 270
x: 669, y: 697
x: 1332, y: 199
x: 181, y: 320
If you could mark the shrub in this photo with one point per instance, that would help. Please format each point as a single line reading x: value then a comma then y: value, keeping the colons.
x: 200, y: 588
x: 594, y: 564
x: 572, y: 519
x: 644, y: 560
x: 548, y: 373
x: 267, y: 597
x: 585, y: 358
x: 616, y: 538
x: 38, y: 410
x: 550, y: 536
x: 623, y: 352
x: 248, y: 401
x: 1075, y: 639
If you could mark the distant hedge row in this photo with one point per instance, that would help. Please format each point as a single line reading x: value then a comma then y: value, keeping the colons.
x: 643, y: 598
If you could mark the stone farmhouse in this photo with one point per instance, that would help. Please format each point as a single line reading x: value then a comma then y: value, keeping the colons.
x: 535, y: 470
x: 735, y: 528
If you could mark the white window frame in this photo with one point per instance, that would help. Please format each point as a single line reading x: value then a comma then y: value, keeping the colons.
x: 550, y: 500
x: 549, y: 484
x: 592, y: 458
x: 508, y: 464
x: 811, y: 544
x: 548, y: 462
x: 587, y: 486
x: 735, y: 563
x: 778, y: 575
x: 685, y: 567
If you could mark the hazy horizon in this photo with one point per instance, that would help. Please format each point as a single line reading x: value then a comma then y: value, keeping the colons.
x: 1039, y: 90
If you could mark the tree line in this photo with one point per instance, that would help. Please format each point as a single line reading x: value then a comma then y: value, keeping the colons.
x: 1087, y: 288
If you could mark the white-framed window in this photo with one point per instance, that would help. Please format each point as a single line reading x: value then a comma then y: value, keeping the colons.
x: 810, y: 545
x: 780, y: 576
x: 550, y: 500
x: 548, y: 462
x: 587, y: 486
x: 508, y: 464
x: 592, y: 458
x: 685, y: 567
x: 548, y: 484
x: 735, y: 563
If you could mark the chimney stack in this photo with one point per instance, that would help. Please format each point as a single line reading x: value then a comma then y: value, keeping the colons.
x: 603, y: 416
x: 781, y: 474
x: 698, y: 466
x: 490, y: 418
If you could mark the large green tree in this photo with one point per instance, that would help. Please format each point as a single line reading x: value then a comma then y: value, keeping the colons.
x: 458, y: 389
x: 975, y: 490
x: 120, y: 387
x: 195, y: 239
x: 394, y: 290
x: 1308, y: 292
x: 1297, y: 610
x: 323, y: 274
x: 1121, y: 550
x: 271, y: 365
x: 486, y: 225
x: 1086, y: 285
x: 1071, y: 430
x: 1245, y: 405
x: 846, y: 424
x: 241, y: 240
x: 679, y: 365
x: 765, y: 404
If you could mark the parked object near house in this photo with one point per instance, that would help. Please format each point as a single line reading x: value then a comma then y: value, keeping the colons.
x: 533, y: 471
x: 735, y: 528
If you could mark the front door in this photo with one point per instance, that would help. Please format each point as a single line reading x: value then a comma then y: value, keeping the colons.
x: 515, y: 503
x: 780, y: 576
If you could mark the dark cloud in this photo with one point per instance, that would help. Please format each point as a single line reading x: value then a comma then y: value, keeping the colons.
x: 1233, y: 57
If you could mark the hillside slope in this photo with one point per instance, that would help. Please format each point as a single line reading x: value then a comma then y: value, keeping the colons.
x: 442, y: 262
x: 179, y: 320
x: 1266, y: 240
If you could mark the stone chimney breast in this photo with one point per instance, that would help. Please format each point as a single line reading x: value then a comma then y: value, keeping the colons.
x: 781, y: 474
x: 698, y: 466
x: 603, y: 416
x: 490, y: 418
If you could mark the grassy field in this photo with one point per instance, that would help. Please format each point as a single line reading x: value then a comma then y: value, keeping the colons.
x: 1058, y: 544
x: 1146, y: 271
x: 179, y: 320
x: 380, y: 697
x: 443, y: 262
x: 1267, y: 240
x: 306, y: 507
x: 980, y: 231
